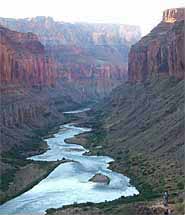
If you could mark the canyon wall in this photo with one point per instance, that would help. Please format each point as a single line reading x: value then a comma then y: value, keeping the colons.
x: 85, y: 52
x: 141, y: 123
x: 161, y: 51
x: 47, y: 67
x: 23, y: 60
x: 30, y: 98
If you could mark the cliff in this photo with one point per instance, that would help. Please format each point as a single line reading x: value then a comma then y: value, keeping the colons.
x: 23, y: 60
x: 93, y: 81
x: 161, y: 51
x: 53, y: 33
x: 173, y: 15
x: 30, y: 97
x: 85, y: 52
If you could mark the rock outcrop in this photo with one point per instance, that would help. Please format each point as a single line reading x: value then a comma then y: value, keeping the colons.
x: 173, y: 15
x: 161, y: 51
x: 100, y: 178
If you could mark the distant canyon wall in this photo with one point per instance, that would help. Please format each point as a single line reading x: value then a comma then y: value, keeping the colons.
x: 84, y: 52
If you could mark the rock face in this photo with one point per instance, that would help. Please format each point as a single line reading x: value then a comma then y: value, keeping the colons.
x: 92, y: 80
x: 23, y: 60
x: 173, y: 15
x: 30, y: 97
x: 37, y: 86
x: 54, y: 33
x: 161, y: 51
x: 100, y: 178
x: 92, y: 57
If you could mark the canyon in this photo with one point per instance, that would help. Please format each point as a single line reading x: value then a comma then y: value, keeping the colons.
x: 139, y: 120
x: 92, y: 58
x: 141, y: 125
x: 38, y: 82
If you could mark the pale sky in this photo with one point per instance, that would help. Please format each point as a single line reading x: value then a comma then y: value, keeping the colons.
x: 145, y: 13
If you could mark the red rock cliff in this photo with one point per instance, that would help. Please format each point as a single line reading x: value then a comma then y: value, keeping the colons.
x: 85, y: 52
x: 161, y: 51
x: 23, y: 60
x: 93, y: 81
x: 173, y: 15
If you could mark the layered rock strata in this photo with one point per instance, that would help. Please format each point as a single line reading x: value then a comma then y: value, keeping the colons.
x: 161, y: 51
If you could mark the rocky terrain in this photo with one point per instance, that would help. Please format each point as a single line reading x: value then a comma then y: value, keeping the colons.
x: 141, y: 125
x: 92, y: 58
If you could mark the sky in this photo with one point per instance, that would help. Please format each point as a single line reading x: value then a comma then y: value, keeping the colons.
x: 145, y: 13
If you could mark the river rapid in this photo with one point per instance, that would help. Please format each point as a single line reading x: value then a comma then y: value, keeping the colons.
x: 69, y: 182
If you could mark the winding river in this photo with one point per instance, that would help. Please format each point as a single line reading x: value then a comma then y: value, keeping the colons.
x: 69, y: 182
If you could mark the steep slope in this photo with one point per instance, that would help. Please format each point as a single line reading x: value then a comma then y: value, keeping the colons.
x: 92, y: 56
x: 146, y: 119
x: 141, y: 125
x: 161, y: 51
x: 30, y: 92
x: 146, y: 124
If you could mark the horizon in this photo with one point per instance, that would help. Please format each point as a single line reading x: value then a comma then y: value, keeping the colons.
x: 117, y: 12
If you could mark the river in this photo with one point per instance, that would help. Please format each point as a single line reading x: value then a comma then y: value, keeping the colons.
x: 69, y: 182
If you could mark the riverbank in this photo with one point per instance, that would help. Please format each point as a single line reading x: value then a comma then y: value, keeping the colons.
x: 148, y: 202
x: 71, y: 179
x: 142, y: 130
x: 27, y: 175
x: 18, y: 174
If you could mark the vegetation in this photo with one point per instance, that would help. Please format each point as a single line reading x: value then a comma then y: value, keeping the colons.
x: 146, y: 124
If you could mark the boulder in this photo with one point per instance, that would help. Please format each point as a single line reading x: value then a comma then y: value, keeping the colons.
x: 100, y: 178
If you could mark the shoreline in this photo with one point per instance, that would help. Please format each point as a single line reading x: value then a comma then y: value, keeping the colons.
x: 146, y: 200
x: 45, y: 167
x: 52, y: 166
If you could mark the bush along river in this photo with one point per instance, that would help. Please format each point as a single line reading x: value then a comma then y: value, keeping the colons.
x: 70, y: 182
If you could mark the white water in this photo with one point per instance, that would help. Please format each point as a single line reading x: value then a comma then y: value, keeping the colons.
x: 77, y: 111
x: 69, y: 182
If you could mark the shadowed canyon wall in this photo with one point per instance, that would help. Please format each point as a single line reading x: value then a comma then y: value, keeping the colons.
x: 141, y: 123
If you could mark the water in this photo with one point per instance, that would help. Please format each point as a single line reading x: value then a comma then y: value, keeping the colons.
x: 77, y: 111
x: 69, y: 182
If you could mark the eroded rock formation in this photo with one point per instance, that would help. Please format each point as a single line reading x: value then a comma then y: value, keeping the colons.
x: 29, y: 97
x: 173, y: 15
x: 23, y: 60
x: 161, y: 51
x: 85, y: 52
